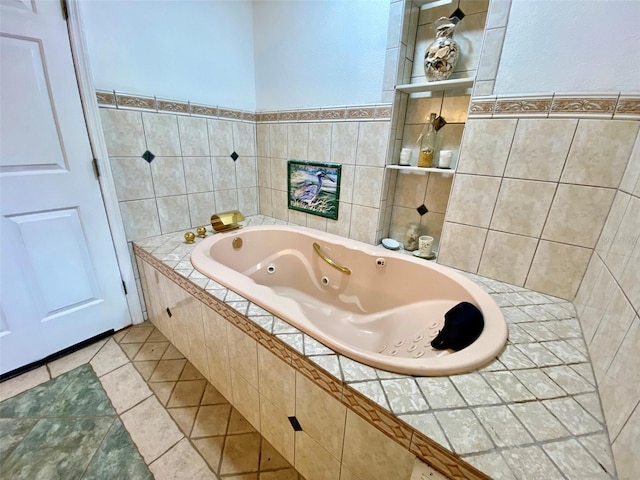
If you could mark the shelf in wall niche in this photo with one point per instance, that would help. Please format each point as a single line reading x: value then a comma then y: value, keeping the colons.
x: 419, y: 170
x: 452, y: 84
x: 426, y: 4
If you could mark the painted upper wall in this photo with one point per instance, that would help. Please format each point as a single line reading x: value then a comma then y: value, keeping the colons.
x: 319, y: 53
x: 307, y: 53
x: 200, y: 51
x: 571, y: 46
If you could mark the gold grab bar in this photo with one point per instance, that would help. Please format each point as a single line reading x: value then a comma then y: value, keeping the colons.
x: 343, y: 269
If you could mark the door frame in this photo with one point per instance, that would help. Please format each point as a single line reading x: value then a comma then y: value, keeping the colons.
x: 99, y: 148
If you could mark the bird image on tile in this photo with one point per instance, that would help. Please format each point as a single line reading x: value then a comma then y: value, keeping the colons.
x: 309, y: 191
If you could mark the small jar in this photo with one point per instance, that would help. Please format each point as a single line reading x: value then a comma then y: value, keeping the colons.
x: 405, y: 156
x: 411, y: 238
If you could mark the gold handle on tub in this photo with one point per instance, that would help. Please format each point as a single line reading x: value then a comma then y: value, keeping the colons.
x: 343, y: 269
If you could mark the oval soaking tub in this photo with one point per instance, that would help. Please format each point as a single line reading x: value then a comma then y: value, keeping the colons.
x: 375, y: 306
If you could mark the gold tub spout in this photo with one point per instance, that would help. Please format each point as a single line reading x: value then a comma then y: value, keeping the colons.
x: 222, y: 222
x: 342, y: 268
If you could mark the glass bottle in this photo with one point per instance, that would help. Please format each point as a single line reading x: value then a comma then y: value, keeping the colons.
x: 427, y: 143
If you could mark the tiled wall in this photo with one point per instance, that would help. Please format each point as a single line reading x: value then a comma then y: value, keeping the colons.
x: 608, y: 304
x: 532, y: 194
x: 359, y: 146
x: 191, y: 176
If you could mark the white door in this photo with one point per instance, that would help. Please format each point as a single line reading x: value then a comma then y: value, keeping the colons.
x: 60, y: 281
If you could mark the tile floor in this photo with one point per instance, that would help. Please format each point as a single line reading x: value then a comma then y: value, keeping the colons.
x: 66, y: 428
x: 95, y: 406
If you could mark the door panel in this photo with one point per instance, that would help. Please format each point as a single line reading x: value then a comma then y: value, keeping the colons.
x: 29, y: 107
x: 57, y: 259
x: 60, y: 282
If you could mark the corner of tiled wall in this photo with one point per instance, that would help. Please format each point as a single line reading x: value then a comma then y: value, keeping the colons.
x: 534, y: 193
x: 608, y: 304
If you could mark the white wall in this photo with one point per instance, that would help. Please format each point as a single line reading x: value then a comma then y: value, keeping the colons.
x: 319, y: 53
x: 571, y: 46
x: 200, y: 51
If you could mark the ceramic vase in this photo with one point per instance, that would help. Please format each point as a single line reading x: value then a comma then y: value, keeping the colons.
x: 442, y: 55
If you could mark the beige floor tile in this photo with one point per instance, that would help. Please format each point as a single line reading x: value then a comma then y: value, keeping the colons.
x: 286, y: 474
x: 184, y: 417
x: 172, y: 353
x: 211, y: 450
x: 24, y: 382
x: 125, y: 387
x: 151, y: 351
x: 137, y: 334
x: 238, y: 424
x: 162, y: 390
x: 168, y: 370
x: 212, y: 420
x: 212, y: 396
x: 182, y: 462
x: 156, y: 336
x: 187, y: 394
x: 241, y: 454
x: 146, y: 368
x: 190, y: 373
x: 108, y: 358
x: 346, y: 474
x: 244, y: 476
x: 119, y: 335
x: 75, y: 359
x: 270, y: 459
x: 131, y: 349
x: 151, y: 429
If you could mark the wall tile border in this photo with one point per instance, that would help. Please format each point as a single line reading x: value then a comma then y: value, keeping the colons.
x: 423, y: 447
x: 617, y: 106
x: 523, y: 106
x: 119, y: 100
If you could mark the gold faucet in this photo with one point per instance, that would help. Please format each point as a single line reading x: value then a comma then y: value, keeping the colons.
x: 222, y: 222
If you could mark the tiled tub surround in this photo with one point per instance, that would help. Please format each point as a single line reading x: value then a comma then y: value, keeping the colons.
x: 533, y: 413
x: 193, y: 174
x: 531, y: 195
x: 359, y: 146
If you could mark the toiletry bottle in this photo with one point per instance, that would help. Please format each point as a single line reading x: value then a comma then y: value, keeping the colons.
x: 427, y: 143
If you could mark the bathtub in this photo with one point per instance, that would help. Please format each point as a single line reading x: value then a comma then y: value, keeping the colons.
x: 376, y: 306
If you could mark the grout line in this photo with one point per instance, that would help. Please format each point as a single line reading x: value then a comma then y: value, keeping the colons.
x: 624, y: 424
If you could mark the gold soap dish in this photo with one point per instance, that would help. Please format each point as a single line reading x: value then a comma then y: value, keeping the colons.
x: 225, y: 221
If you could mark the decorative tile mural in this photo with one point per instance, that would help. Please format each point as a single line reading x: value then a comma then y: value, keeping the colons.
x: 314, y: 187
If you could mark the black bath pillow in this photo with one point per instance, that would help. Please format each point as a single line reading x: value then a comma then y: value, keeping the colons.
x: 463, y: 325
